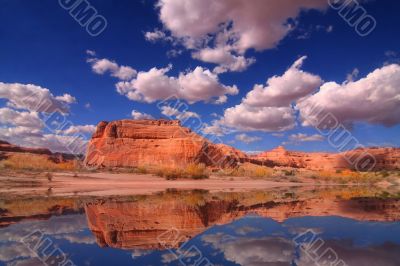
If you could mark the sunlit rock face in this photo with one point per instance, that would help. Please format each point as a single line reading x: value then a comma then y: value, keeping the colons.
x: 359, y: 159
x: 167, y: 221
x: 130, y: 143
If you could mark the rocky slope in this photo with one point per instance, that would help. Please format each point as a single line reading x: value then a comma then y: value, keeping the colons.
x: 130, y: 143
x: 360, y: 159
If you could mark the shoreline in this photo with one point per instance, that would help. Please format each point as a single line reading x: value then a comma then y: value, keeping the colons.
x: 110, y: 184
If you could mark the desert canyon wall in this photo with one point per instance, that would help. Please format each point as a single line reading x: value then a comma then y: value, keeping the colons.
x: 132, y: 143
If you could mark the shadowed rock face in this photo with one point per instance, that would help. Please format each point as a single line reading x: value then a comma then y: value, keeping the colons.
x: 360, y: 159
x: 130, y: 143
x: 149, y: 224
x: 7, y: 147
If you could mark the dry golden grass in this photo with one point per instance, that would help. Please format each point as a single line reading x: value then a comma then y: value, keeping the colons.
x: 26, y: 161
x: 191, y: 171
x: 347, y: 176
x: 250, y: 170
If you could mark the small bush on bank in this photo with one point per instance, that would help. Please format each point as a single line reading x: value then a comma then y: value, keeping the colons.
x: 191, y: 171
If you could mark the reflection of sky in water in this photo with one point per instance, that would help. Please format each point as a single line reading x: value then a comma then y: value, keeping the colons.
x: 248, y: 241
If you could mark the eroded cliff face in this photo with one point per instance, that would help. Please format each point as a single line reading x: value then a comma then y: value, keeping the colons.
x: 360, y: 159
x: 152, y: 223
x: 131, y: 143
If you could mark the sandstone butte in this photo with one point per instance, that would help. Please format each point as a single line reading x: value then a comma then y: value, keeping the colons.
x: 132, y: 143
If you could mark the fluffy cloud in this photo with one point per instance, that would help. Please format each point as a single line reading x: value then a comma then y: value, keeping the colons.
x: 39, y: 125
x: 283, y: 90
x: 102, y: 66
x: 300, y: 137
x: 270, y: 108
x: 83, y: 129
x: 193, y: 86
x: 231, y: 27
x: 138, y: 115
x: 246, y: 138
x: 224, y: 58
x: 155, y: 35
x: 216, y: 129
x: 34, y: 98
x: 374, y: 99
x: 247, y: 118
x: 16, y: 118
x: 67, y: 98
x: 171, y: 112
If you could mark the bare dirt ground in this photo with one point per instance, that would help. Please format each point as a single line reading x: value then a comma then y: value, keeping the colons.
x: 124, y: 184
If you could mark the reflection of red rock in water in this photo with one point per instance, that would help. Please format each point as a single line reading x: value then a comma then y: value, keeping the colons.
x: 142, y: 224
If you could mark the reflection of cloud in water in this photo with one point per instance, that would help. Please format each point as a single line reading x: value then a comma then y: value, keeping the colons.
x: 280, y: 251
x: 78, y: 239
x: 178, y: 255
x: 27, y: 262
x: 61, y: 227
x: 244, y: 230
x: 14, y: 250
x: 253, y: 251
x: 386, y: 254
x: 139, y: 253
x: 54, y: 226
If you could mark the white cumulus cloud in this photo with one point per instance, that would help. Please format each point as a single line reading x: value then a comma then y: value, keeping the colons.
x: 374, y: 99
x: 138, y: 115
x: 222, y: 31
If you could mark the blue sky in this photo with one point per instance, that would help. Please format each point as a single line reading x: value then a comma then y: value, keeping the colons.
x: 42, y: 44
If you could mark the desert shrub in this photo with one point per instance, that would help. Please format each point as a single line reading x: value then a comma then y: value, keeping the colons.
x: 191, y: 171
x: 196, y: 171
x: 27, y: 161
x: 49, y: 176
x: 250, y: 170
x: 385, y: 174
x: 294, y: 179
x: 288, y: 172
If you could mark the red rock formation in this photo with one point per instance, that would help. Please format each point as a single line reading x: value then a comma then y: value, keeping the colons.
x: 360, y: 159
x: 130, y: 143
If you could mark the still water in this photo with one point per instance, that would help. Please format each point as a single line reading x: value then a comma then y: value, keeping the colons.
x: 302, y: 226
